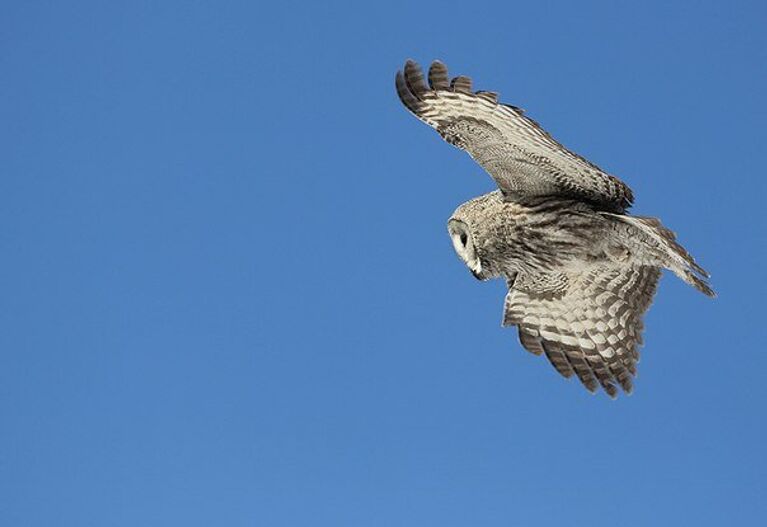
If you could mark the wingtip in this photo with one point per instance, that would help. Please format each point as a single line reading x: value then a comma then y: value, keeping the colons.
x: 404, y: 92
x: 700, y: 270
x: 438, y: 77
x: 610, y: 390
x: 627, y: 385
x: 461, y: 84
x: 409, y: 64
x: 701, y: 285
x: 414, y: 79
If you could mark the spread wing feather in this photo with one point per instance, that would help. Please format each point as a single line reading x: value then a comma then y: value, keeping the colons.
x: 588, y: 324
x: 522, y: 158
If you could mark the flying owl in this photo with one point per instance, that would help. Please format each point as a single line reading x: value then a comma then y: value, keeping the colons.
x: 580, y: 271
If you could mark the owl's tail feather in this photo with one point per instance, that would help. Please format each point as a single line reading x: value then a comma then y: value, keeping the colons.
x: 663, y: 245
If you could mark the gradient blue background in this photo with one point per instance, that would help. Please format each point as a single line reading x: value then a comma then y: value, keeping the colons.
x: 228, y: 295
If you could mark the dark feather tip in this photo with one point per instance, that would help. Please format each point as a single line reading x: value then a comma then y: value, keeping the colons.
x: 414, y: 79
x: 438, y: 79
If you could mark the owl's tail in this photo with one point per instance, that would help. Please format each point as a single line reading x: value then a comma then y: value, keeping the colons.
x: 663, y: 245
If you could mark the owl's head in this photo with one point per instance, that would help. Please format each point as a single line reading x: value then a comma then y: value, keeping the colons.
x: 463, y: 243
x: 478, y: 237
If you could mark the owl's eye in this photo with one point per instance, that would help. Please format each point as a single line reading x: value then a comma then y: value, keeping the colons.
x: 464, y: 239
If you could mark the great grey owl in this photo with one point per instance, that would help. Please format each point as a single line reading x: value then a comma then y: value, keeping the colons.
x: 580, y: 271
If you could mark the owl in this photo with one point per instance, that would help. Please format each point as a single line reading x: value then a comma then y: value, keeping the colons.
x: 580, y: 270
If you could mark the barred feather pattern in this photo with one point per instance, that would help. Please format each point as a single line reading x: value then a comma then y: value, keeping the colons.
x: 517, y: 152
x: 587, y: 323
x: 581, y: 272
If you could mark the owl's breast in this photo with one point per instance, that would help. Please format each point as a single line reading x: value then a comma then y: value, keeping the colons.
x: 544, y: 236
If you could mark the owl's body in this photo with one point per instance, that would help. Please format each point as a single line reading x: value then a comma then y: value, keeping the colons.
x: 581, y: 272
x: 550, y: 235
x: 553, y: 234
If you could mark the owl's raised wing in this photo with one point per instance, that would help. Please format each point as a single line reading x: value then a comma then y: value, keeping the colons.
x: 523, y: 159
x: 587, y: 323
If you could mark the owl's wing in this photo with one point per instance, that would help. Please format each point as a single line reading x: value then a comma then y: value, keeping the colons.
x: 523, y: 159
x: 587, y: 323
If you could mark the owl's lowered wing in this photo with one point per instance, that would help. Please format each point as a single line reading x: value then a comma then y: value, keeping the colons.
x: 523, y: 159
x: 587, y: 323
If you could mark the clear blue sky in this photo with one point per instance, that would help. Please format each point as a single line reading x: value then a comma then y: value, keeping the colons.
x: 229, y: 297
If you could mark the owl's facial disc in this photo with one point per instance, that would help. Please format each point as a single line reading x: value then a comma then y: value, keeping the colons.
x: 463, y: 243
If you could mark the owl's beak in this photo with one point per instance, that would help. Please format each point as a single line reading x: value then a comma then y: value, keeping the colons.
x: 477, y: 275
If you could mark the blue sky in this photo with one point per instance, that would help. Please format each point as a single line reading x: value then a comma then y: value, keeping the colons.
x: 229, y: 297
